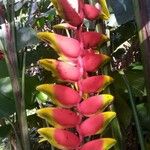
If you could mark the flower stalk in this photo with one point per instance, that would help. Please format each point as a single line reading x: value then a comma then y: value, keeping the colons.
x: 137, y: 123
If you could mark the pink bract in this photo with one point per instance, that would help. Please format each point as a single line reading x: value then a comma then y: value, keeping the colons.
x: 92, y: 61
x: 66, y: 96
x: 66, y: 11
x: 95, y: 83
x: 99, y: 144
x: 91, y: 12
x: 65, y: 46
x: 94, y: 104
x: 70, y: 47
x: 68, y: 72
x: 59, y: 117
x: 92, y: 125
x: 66, y: 117
x: 93, y: 145
x: 66, y: 138
x: 92, y: 39
x: 91, y: 105
x: 61, y: 95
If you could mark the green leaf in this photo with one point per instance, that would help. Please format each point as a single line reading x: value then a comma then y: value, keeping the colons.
x: 3, y: 67
x: 138, y: 67
x: 40, y: 22
x: 26, y: 37
x: 137, y: 82
x: 42, y: 97
x: 121, y: 100
x: 144, y: 116
x: 7, y: 103
x: 123, y: 33
x: 30, y: 89
x: 5, y: 130
x: 123, y: 109
x: 34, y: 121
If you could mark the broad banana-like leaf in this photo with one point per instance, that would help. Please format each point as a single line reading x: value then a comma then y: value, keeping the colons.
x: 61, y: 95
x: 66, y: 12
x: 63, y: 70
x: 105, y: 12
x: 96, y: 124
x: 99, y: 144
x: 59, y: 117
x: 92, y: 61
x: 95, y: 83
x: 63, y: 45
x: 61, y: 139
x: 95, y: 104
x: 91, y: 12
x: 93, y: 39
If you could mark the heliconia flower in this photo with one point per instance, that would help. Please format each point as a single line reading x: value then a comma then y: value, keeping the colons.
x: 62, y: 139
x: 66, y: 11
x: 91, y: 12
x: 92, y: 61
x: 96, y: 124
x: 95, y: 83
x: 63, y: 45
x: 64, y: 26
x: 64, y: 71
x: 61, y: 95
x: 105, y: 12
x: 95, y: 104
x: 99, y: 144
x: 59, y: 117
x: 92, y: 39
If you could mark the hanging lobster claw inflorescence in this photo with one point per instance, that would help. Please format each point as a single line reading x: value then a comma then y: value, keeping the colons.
x: 78, y: 109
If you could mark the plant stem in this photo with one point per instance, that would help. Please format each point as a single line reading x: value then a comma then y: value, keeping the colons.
x: 23, y: 114
x: 18, y: 91
x: 135, y: 115
x: 18, y: 144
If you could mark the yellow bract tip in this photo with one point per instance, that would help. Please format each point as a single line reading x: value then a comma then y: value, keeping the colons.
x: 108, y: 98
x: 105, y: 12
x: 109, y: 115
x: 109, y: 79
x: 108, y: 143
x: 105, y: 38
x: 44, y: 112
